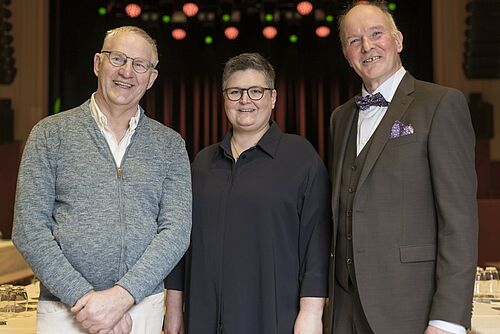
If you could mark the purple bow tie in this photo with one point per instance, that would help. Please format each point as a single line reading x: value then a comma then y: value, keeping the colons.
x: 365, y: 102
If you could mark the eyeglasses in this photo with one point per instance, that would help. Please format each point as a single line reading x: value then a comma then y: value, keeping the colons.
x: 255, y: 93
x: 117, y: 59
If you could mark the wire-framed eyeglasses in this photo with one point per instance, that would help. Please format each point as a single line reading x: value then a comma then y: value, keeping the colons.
x: 255, y: 93
x: 117, y: 59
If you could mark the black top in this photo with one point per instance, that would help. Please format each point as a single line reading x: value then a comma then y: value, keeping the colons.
x: 261, y: 235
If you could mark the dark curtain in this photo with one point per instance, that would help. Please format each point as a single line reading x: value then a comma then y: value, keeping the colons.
x: 312, y: 77
x: 188, y: 93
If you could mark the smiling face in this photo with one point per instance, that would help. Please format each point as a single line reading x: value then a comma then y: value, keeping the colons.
x: 246, y: 115
x: 371, y: 45
x: 121, y: 88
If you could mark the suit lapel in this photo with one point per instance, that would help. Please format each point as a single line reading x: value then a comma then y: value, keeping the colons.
x: 342, y: 128
x: 396, y: 110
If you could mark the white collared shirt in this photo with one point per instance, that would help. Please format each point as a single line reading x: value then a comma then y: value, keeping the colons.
x: 117, y: 148
x: 369, y: 119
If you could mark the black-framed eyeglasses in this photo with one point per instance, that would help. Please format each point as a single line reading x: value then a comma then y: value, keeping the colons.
x: 117, y: 59
x: 255, y: 93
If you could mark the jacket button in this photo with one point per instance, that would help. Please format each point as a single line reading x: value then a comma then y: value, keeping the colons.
x: 349, y: 237
x: 353, y: 168
x: 331, y: 255
x: 348, y: 261
x: 350, y: 190
x: 349, y: 213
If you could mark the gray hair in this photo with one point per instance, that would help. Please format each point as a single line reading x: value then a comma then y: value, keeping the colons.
x: 136, y: 30
x: 380, y: 4
x: 246, y: 61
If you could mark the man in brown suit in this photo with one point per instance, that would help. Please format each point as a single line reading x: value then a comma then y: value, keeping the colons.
x: 405, y: 219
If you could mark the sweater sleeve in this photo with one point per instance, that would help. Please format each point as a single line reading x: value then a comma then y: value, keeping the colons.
x: 33, y: 220
x: 174, y: 228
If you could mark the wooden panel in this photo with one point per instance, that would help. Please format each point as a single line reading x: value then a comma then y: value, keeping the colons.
x: 9, y: 164
x: 489, y: 231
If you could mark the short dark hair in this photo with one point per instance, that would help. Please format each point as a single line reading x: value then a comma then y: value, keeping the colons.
x: 249, y: 61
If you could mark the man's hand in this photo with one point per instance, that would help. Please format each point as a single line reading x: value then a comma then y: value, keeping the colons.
x: 435, y: 330
x: 124, y: 326
x: 309, y: 318
x: 103, y: 310
x: 174, y: 321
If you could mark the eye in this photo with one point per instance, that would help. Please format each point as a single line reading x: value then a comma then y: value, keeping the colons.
x: 141, y: 65
x: 233, y: 92
x: 353, y: 41
x: 376, y: 34
x: 256, y: 90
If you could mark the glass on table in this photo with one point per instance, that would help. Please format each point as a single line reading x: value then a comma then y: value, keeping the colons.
x: 5, y: 301
x: 491, y: 280
x: 20, y: 299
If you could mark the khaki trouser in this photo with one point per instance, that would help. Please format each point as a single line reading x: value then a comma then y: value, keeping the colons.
x: 56, y: 317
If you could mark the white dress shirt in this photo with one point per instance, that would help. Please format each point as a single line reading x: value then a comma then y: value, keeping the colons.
x: 368, y: 121
x: 117, y: 148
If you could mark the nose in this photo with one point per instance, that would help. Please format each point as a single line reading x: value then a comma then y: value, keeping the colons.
x: 366, y: 44
x: 244, y: 97
x: 127, y: 68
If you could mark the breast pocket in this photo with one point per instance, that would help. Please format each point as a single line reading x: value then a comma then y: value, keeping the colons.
x: 403, y: 140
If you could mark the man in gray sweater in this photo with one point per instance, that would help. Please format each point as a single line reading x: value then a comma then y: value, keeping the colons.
x: 103, y: 203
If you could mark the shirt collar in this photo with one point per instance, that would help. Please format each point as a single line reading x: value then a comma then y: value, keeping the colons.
x: 102, y: 120
x: 268, y: 143
x: 389, y: 86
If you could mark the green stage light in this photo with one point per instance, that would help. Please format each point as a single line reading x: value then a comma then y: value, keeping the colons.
x: 226, y: 17
x: 208, y: 40
x: 329, y: 18
x: 166, y: 18
x: 102, y: 11
x: 392, y: 6
x: 268, y: 17
x: 293, y: 38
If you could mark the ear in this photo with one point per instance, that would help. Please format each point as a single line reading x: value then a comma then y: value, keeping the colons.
x: 398, y: 38
x: 152, y: 77
x: 97, y: 63
x: 274, y: 94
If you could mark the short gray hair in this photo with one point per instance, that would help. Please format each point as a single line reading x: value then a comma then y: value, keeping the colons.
x: 380, y: 4
x: 249, y: 61
x: 136, y: 30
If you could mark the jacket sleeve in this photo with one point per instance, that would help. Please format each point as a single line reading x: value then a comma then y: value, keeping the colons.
x: 451, y: 158
x: 174, y: 227
x: 33, y: 220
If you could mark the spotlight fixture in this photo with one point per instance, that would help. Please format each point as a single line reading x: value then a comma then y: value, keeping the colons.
x: 305, y: 8
x: 269, y: 32
x: 322, y: 31
x: 190, y: 9
x: 133, y: 10
x: 231, y: 33
x: 179, y: 34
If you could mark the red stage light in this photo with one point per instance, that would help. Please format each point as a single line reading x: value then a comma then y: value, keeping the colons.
x: 190, y: 9
x: 322, y: 31
x: 133, y: 10
x: 231, y: 33
x: 304, y: 7
x: 269, y: 32
x: 179, y: 34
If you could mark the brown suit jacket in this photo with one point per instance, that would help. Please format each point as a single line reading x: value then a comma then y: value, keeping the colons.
x: 414, y: 213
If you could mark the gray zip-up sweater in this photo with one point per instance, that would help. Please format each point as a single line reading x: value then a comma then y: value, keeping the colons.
x: 82, y: 223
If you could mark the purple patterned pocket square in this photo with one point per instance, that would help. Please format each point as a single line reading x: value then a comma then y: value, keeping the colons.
x: 399, y: 129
